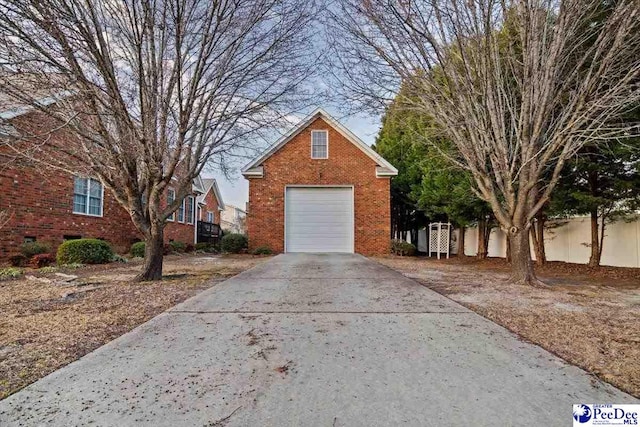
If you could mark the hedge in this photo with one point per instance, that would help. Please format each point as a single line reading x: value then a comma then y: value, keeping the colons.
x: 137, y: 250
x: 84, y: 251
x: 233, y: 243
x: 262, y: 250
x: 29, y: 249
x: 178, y: 246
x: 402, y: 248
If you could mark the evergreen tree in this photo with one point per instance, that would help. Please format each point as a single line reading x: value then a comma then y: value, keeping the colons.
x: 397, y: 145
x: 429, y: 187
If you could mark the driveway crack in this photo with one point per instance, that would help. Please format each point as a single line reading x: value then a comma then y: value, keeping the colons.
x: 309, y: 312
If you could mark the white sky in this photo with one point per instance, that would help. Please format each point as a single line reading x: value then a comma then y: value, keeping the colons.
x: 235, y: 191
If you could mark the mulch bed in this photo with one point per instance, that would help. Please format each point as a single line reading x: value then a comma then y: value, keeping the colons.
x: 48, y: 323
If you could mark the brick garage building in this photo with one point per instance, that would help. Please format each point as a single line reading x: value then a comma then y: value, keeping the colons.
x: 50, y: 205
x: 319, y: 189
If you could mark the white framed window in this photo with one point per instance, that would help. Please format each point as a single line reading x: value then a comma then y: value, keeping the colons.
x: 319, y: 144
x: 209, y: 216
x: 190, y: 209
x: 88, y: 196
x: 171, y: 197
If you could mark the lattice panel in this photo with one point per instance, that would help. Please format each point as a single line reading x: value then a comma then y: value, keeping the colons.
x: 433, y: 238
x: 439, y: 238
x: 444, y: 239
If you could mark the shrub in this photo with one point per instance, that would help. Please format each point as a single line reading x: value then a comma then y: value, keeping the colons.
x: 177, y: 246
x: 202, y: 246
x: 189, y: 248
x: 10, y: 273
x: 18, y: 260
x: 402, y: 248
x: 206, y: 247
x: 85, y: 251
x: 119, y: 258
x: 262, y: 250
x: 50, y: 269
x: 137, y: 250
x: 233, y: 243
x: 29, y: 249
x: 41, y: 260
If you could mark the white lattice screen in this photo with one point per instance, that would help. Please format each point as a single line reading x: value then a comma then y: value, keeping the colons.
x: 439, y: 238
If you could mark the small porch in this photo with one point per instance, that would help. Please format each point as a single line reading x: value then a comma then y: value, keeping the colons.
x: 207, y: 232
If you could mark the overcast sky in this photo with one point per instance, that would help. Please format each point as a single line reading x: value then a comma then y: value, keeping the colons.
x: 235, y: 191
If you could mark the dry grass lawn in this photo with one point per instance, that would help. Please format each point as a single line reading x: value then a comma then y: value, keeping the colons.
x: 589, y: 317
x: 47, y: 322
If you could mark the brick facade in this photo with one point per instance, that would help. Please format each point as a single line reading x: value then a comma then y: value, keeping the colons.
x: 41, y: 206
x: 210, y: 205
x: 180, y: 231
x: 40, y: 201
x: 347, y: 165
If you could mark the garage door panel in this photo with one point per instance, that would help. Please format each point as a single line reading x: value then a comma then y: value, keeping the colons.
x: 319, y: 219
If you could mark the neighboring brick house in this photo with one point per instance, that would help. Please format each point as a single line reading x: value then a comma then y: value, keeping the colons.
x: 233, y: 219
x: 182, y: 226
x: 50, y: 205
x: 320, y: 189
x: 210, y: 207
x: 210, y: 203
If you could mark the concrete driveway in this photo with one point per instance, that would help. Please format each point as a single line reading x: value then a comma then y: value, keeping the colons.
x: 313, y: 340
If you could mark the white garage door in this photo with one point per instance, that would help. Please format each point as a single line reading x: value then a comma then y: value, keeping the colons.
x: 319, y: 219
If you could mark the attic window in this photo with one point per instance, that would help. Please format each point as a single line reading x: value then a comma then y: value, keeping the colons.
x: 319, y: 144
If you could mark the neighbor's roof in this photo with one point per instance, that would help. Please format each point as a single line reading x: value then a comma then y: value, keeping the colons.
x: 210, y: 184
x: 12, y: 106
x: 384, y: 167
x: 236, y: 208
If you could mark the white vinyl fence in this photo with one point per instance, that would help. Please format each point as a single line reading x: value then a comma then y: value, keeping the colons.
x: 570, y: 241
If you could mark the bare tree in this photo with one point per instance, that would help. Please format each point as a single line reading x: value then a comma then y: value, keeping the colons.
x: 153, y: 90
x: 517, y: 85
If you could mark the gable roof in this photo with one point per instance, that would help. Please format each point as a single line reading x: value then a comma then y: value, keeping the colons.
x: 210, y: 184
x: 10, y: 108
x: 40, y: 95
x: 254, y: 168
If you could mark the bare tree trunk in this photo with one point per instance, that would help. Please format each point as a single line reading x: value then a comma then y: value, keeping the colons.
x: 537, y: 237
x: 461, y: 242
x: 594, y: 259
x: 508, y: 251
x: 482, y: 254
x: 153, y: 255
x: 484, y: 234
x: 521, y: 265
x: 602, y: 226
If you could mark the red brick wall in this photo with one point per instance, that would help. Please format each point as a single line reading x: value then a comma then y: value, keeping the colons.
x: 42, y: 207
x: 179, y: 231
x: 211, y: 205
x: 40, y: 200
x: 182, y: 232
x: 346, y: 165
